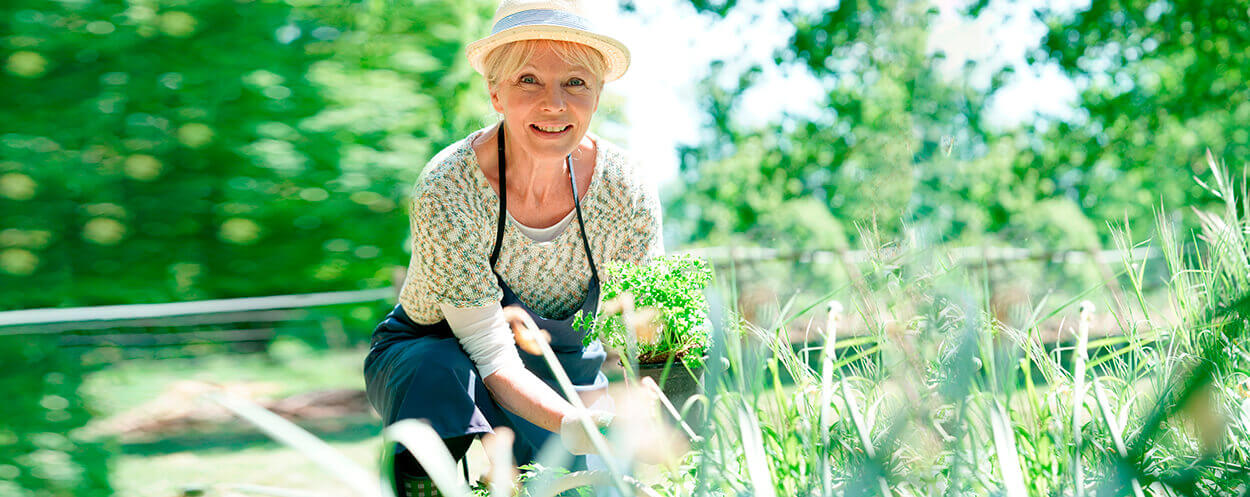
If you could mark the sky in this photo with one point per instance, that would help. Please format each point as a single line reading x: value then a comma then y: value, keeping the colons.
x: 671, y: 46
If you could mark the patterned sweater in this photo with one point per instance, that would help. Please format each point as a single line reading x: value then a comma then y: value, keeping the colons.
x: 454, y: 215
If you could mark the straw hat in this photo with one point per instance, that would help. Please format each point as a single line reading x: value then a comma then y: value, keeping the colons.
x: 563, y: 20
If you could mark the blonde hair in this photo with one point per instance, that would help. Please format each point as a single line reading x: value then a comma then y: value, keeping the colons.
x: 510, y: 57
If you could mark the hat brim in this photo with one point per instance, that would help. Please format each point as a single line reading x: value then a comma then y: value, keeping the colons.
x: 615, y: 55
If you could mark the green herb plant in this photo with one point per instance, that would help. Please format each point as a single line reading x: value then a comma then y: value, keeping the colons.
x: 668, y: 293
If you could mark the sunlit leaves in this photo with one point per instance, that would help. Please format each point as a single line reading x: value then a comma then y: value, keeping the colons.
x: 177, y: 24
x: 18, y: 262
x: 262, y: 79
x: 195, y: 135
x: 143, y: 167
x: 35, y: 239
x: 280, y: 156
x: 17, y: 186
x: 240, y: 231
x: 26, y: 64
x: 104, y: 231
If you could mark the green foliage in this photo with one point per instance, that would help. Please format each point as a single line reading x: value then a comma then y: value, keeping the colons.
x: 156, y: 151
x: 1055, y: 219
x: 43, y: 452
x: 672, y: 287
x: 879, y: 149
x: 164, y: 151
x: 896, y: 142
x: 955, y: 402
x: 948, y: 400
x: 1161, y: 82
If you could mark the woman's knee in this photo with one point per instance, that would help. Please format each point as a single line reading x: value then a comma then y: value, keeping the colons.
x: 404, y: 369
x: 441, y: 373
x: 443, y: 360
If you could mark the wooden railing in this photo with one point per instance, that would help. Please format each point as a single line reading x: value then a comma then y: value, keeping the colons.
x: 960, y: 255
x: 249, y: 324
x: 123, y: 325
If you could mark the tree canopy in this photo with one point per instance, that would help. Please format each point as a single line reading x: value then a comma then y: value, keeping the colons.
x: 895, y: 142
x: 157, y: 151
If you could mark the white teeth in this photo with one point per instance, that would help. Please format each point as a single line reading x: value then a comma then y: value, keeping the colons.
x: 551, y: 129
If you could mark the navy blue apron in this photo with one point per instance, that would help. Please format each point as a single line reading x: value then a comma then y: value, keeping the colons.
x: 419, y: 371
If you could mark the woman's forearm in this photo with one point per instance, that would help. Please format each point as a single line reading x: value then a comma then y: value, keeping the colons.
x: 519, y: 391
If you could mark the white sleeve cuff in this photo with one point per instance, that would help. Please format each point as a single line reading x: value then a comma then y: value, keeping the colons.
x: 484, y: 335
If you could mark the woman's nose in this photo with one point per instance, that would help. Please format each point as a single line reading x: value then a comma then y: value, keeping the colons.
x: 554, y: 98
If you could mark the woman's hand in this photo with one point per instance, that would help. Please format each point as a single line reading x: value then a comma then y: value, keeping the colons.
x: 573, y: 432
x: 519, y: 321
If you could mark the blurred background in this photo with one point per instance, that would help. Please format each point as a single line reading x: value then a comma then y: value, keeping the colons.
x: 235, y: 173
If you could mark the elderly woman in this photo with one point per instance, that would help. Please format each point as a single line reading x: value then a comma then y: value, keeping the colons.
x: 526, y: 212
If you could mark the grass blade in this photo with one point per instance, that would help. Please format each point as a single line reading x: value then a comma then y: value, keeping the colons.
x: 503, y: 468
x: 1008, y: 456
x: 1079, y: 356
x: 425, y: 444
x: 826, y: 389
x: 1114, y: 429
x: 360, y: 480
x: 756, y: 458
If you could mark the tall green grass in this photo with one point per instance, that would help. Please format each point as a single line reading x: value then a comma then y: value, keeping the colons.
x: 940, y: 397
x: 947, y: 400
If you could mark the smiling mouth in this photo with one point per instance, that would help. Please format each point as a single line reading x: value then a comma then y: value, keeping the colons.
x: 551, y: 130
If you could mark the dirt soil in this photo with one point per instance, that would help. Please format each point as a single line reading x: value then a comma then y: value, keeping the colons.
x: 182, y: 408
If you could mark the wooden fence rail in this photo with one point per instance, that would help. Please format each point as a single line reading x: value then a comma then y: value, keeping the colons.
x: 220, y: 311
x: 279, y: 308
x: 960, y: 255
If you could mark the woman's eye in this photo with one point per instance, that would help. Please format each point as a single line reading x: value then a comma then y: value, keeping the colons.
x: 577, y: 82
x: 528, y: 80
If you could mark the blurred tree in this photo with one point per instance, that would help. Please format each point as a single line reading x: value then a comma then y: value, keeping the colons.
x: 895, y: 142
x: 878, y: 152
x: 168, y: 150
x: 156, y: 151
x: 1161, y: 82
x: 176, y: 149
x: 43, y: 452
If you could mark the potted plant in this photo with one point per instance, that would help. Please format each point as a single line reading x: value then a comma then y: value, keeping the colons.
x: 657, y: 314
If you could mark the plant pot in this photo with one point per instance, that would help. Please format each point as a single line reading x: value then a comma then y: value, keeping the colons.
x: 679, y: 385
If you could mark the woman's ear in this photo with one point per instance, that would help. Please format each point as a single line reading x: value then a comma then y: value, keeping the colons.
x: 494, y: 97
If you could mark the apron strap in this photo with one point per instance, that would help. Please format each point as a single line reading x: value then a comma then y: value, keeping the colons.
x: 503, y: 200
x: 503, y: 207
x: 581, y: 225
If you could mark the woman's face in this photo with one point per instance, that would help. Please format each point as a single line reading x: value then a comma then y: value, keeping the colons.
x: 546, y: 105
